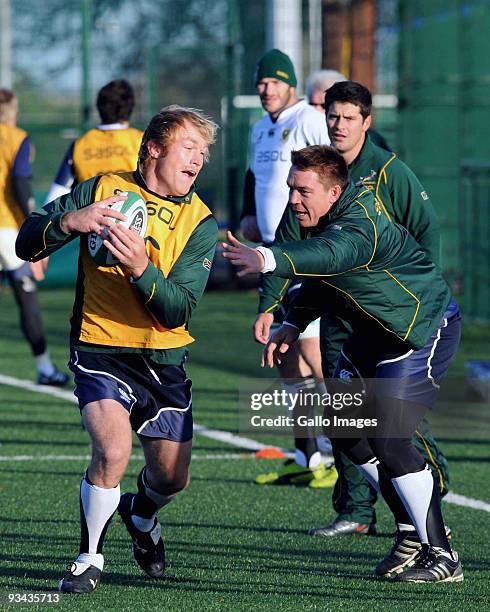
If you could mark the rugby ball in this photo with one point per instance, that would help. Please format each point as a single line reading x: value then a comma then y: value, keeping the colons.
x: 134, y: 208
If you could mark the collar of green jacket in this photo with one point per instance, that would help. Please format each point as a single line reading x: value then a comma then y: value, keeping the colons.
x: 371, y: 157
x: 186, y: 199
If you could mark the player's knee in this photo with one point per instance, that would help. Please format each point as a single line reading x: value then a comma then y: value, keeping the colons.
x: 398, y: 456
x: 170, y: 481
x: 112, y: 458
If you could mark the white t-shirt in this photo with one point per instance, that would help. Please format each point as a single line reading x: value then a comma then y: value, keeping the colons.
x: 271, y: 144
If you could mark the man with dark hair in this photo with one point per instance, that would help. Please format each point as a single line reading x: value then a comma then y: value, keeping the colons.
x: 358, y: 265
x: 317, y: 85
x: 16, y: 202
x: 115, y: 102
x: 129, y: 331
x: 402, y: 199
x: 110, y: 147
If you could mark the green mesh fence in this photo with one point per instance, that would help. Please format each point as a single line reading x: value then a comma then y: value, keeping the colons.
x: 475, y: 239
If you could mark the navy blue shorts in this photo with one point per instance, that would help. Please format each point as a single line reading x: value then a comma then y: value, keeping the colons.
x: 157, y: 397
x: 400, y: 372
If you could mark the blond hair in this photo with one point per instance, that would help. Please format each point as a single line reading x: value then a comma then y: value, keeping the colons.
x: 164, y: 124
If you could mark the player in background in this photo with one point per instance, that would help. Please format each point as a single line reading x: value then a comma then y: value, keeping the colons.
x: 112, y: 146
x: 317, y: 84
x: 356, y: 264
x: 289, y: 124
x: 16, y: 202
x: 129, y: 331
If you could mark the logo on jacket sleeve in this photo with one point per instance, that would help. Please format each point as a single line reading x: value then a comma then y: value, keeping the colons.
x: 366, y: 180
x: 206, y: 264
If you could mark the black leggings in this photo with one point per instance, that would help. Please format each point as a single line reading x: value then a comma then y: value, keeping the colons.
x: 25, y: 293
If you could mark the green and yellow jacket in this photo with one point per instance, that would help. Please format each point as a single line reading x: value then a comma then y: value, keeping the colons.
x: 112, y: 312
x: 359, y: 266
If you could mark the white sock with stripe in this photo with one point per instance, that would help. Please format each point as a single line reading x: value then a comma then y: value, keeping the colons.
x: 370, y: 471
x: 96, y: 510
x: 415, y: 491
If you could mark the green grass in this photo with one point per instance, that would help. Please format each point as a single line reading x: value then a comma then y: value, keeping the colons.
x: 231, y: 545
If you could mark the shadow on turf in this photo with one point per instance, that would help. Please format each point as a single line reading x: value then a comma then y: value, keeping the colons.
x: 184, y: 583
x: 483, y: 441
x: 245, y: 481
x: 271, y: 560
x: 42, y: 424
x: 227, y: 393
x: 78, y: 473
x: 468, y: 459
x: 65, y: 443
x: 55, y: 521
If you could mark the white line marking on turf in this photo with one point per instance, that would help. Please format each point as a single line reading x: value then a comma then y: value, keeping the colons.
x: 468, y: 502
x: 213, y: 434
x: 30, y: 386
x: 229, y: 438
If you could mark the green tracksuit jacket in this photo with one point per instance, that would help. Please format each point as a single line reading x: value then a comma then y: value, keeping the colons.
x: 375, y: 269
x: 353, y: 498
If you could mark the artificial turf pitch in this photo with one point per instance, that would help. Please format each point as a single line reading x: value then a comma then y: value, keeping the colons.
x: 231, y: 544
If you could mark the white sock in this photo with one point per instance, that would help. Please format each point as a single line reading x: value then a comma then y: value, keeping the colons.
x: 84, y: 560
x: 98, y: 507
x: 324, y: 445
x: 370, y: 471
x: 44, y: 364
x: 405, y: 527
x: 300, y: 459
x: 315, y: 460
x: 143, y: 524
x: 415, y: 491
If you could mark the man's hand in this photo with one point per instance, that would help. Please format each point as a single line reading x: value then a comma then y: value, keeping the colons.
x: 129, y: 248
x: 38, y: 268
x: 250, y: 229
x: 251, y: 260
x: 262, y: 327
x: 278, y: 345
x: 93, y: 218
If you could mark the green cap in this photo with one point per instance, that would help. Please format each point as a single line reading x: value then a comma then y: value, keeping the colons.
x: 276, y: 65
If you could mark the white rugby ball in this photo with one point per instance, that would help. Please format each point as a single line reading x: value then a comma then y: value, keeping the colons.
x: 134, y: 208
